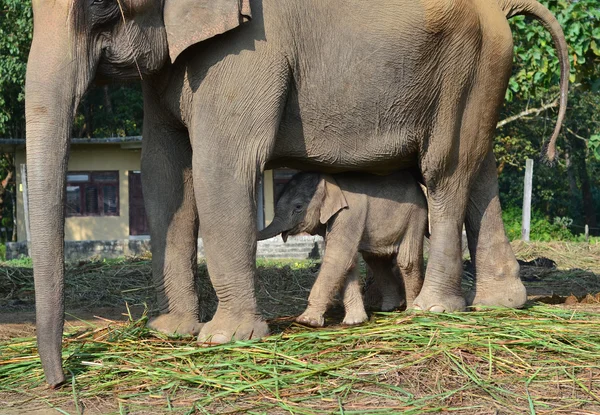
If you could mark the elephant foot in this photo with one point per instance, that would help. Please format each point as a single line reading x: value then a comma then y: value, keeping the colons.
x: 391, y: 302
x: 354, y: 317
x: 509, y: 293
x: 372, y: 298
x: 376, y: 300
x: 223, y: 330
x: 311, y: 318
x: 176, y: 324
x: 428, y: 301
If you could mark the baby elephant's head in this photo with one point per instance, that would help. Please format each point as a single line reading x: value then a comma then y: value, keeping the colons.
x: 306, y: 204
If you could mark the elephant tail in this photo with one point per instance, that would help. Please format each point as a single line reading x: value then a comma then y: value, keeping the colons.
x: 539, y: 12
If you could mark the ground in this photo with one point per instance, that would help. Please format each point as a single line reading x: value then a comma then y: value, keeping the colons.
x: 543, y: 359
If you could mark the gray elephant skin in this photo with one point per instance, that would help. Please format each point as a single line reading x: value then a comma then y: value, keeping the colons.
x: 382, y: 217
x: 232, y: 87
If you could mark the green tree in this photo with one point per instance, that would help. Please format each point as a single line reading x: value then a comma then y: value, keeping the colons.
x: 109, y: 110
x: 570, y: 188
x: 15, y: 39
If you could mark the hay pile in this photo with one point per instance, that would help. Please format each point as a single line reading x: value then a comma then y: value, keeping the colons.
x: 567, y: 255
x: 541, y: 360
x: 544, y: 359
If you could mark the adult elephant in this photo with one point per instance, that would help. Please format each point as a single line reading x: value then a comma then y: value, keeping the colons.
x: 324, y: 85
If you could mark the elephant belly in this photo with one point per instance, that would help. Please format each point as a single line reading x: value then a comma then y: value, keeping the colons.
x: 333, y: 153
x: 375, y: 122
x: 362, y: 96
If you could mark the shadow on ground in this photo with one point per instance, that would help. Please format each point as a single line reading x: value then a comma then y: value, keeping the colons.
x: 98, y: 292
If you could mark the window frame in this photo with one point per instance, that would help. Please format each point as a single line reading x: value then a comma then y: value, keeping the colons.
x: 280, y: 182
x: 99, y: 185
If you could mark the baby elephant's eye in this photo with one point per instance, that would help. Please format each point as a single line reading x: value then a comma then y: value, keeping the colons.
x: 298, y: 207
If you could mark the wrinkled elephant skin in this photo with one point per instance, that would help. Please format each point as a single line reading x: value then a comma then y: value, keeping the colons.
x: 328, y: 86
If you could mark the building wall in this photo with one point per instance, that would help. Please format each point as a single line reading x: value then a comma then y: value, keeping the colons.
x: 85, y: 158
x: 109, y: 157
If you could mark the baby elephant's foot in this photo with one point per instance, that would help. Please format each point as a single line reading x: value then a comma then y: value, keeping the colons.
x: 391, y: 302
x: 311, y: 318
x: 176, y: 324
x: 354, y: 317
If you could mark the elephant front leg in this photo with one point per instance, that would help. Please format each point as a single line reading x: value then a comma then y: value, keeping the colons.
x: 173, y: 219
x: 497, y: 280
x: 328, y: 283
x: 227, y: 208
x: 339, y: 261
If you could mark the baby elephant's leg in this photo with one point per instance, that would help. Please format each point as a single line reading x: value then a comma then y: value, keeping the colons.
x: 331, y: 279
x: 353, y: 301
x: 385, y: 293
x: 410, y: 264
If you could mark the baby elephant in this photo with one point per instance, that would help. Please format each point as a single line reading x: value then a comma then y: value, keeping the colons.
x: 382, y: 217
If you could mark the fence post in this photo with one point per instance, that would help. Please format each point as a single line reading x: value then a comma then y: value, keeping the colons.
x: 526, y: 221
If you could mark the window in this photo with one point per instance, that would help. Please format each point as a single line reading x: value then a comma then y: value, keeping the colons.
x: 94, y: 193
x: 280, y: 179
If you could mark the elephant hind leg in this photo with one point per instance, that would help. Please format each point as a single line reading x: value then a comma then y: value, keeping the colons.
x: 462, y: 136
x: 497, y: 281
x: 410, y: 265
x: 353, y: 300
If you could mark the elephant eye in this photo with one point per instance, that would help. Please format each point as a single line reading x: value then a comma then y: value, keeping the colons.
x: 298, y: 207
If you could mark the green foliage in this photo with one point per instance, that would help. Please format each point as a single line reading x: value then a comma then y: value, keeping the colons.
x: 105, y: 111
x: 536, y: 65
x: 21, y: 262
x: 573, y: 183
x: 15, y: 38
x: 594, y: 145
x: 542, y: 228
x: 558, y: 189
x: 114, y: 110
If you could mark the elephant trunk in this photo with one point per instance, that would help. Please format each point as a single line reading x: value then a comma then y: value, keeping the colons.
x: 53, y: 90
x: 276, y: 227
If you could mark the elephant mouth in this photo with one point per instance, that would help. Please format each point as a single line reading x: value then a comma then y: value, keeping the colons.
x: 284, y: 236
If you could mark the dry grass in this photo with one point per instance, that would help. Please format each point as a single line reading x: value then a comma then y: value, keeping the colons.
x: 541, y: 360
x: 282, y: 286
x: 567, y: 255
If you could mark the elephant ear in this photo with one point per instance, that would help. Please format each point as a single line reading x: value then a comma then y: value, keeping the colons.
x: 188, y: 22
x: 333, y: 198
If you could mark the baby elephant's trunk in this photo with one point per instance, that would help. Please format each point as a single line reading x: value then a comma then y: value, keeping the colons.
x: 275, y: 228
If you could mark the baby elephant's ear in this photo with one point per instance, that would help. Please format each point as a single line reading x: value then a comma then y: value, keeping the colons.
x: 333, y: 200
x: 188, y: 22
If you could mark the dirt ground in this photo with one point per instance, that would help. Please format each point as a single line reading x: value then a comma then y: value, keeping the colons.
x: 98, y: 294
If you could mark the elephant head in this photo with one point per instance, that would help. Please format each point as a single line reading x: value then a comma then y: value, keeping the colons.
x: 306, y: 204
x: 76, y: 42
